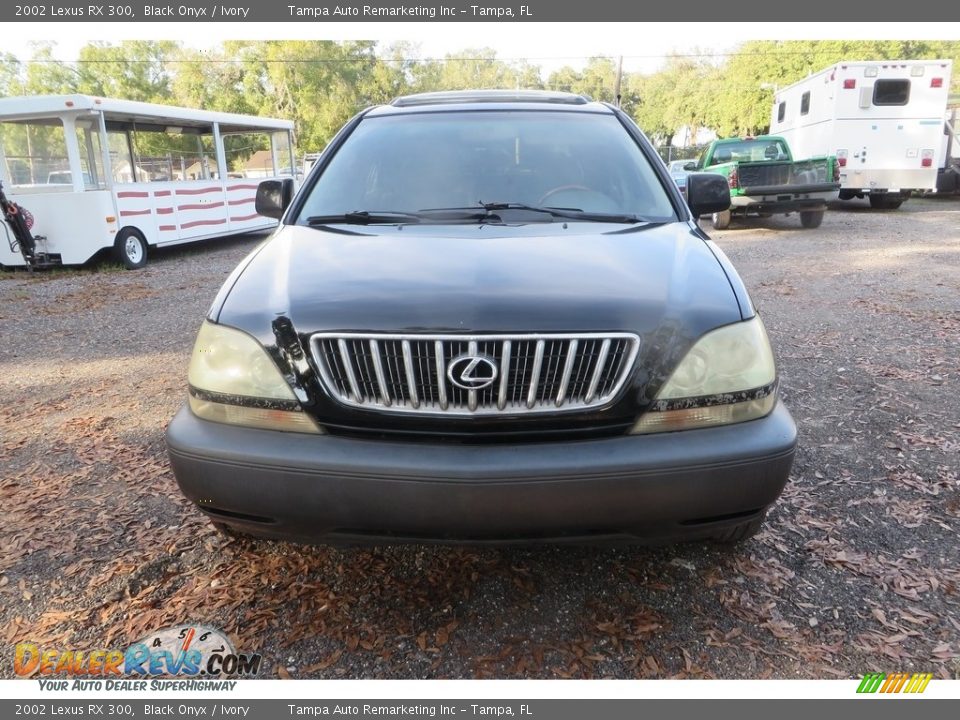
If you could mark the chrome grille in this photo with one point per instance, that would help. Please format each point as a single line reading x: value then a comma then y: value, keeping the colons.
x: 534, y: 373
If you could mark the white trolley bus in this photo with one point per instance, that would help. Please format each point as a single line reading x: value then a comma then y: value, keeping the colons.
x: 883, y: 119
x: 91, y: 174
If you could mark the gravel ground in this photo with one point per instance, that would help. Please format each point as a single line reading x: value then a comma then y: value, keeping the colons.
x: 858, y: 568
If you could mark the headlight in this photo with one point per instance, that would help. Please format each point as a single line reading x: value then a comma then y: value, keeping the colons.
x: 233, y: 380
x: 728, y: 376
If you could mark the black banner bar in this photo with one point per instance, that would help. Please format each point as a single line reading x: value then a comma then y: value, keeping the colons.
x: 580, y: 11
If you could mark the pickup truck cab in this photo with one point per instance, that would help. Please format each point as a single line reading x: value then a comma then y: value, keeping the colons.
x: 764, y: 179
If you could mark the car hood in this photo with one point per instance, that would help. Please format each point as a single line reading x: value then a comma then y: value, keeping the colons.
x: 483, y: 278
x: 663, y: 282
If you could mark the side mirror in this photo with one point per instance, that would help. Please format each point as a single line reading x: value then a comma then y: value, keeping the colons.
x: 273, y: 197
x: 707, y: 193
x: 690, y: 166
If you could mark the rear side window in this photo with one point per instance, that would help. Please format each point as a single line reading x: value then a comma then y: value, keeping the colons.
x: 781, y: 112
x: 891, y: 92
x: 805, y: 103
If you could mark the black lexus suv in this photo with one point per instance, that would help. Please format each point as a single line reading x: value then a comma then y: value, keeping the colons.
x: 487, y: 316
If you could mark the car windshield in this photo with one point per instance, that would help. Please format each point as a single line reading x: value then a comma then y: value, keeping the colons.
x: 430, y: 161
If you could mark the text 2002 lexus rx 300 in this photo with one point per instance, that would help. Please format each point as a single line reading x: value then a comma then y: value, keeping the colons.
x: 485, y: 317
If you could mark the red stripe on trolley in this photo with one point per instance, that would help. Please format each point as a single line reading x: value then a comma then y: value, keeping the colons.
x: 245, y: 201
x: 201, y: 206
x: 242, y: 187
x: 127, y: 213
x: 168, y: 228
x: 242, y: 218
x: 162, y: 193
x: 199, y: 191
x: 184, y: 226
x: 164, y: 211
x: 132, y: 193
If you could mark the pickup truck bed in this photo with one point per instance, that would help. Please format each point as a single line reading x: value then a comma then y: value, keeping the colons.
x: 764, y: 179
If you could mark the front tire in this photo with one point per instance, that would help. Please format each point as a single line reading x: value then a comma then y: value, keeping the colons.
x: 720, y: 220
x: 130, y: 249
x: 811, y: 218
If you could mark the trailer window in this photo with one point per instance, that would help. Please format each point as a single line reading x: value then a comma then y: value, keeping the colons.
x: 248, y: 155
x: 172, y: 154
x: 121, y: 161
x: 35, y: 154
x: 782, y: 111
x: 281, y: 145
x: 891, y: 92
x: 805, y: 103
x: 91, y: 156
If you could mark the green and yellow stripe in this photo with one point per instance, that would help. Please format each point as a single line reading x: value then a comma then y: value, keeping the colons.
x: 894, y: 682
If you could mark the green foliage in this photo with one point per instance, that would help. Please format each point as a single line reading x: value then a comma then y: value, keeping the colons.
x: 132, y: 70
x: 11, y: 75
x: 472, y: 69
x: 321, y: 84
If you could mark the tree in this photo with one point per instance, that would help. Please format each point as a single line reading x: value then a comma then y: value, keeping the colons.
x: 473, y: 69
x: 12, y: 75
x: 751, y: 74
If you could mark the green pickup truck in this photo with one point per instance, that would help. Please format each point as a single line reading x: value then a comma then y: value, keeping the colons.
x: 765, y: 179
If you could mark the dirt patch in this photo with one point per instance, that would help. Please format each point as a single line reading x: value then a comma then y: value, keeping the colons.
x: 857, y: 569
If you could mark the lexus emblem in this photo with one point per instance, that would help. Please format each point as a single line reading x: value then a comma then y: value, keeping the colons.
x: 472, y: 372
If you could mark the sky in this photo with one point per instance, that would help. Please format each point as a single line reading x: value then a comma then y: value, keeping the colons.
x: 549, y: 50
x: 644, y: 46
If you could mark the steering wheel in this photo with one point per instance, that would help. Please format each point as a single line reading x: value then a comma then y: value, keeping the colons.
x: 560, y: 189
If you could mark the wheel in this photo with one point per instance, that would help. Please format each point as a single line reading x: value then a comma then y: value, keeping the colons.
x: 886, y: 202
x: 811, y: 218
x: 130, y: 248
x: 741, y: 532
x: 721, y: 220
x: 847, y: 195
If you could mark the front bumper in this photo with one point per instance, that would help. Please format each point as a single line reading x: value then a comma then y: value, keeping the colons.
x: 664, y: 487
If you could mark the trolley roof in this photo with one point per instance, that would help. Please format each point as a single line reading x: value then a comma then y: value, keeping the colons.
x: 132, y: 112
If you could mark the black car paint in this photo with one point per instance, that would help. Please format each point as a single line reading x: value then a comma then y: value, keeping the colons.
x: 664, y: 283
x: 668, y: 283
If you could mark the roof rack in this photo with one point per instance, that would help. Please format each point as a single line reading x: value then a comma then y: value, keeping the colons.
x: 492, y: 96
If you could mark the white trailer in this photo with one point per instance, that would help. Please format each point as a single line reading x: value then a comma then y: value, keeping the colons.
x: 883, y: 119
x: 97, y: 173
x: 948, y: 177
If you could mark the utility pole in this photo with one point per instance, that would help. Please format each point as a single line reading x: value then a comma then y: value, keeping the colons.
x: 616, y: 84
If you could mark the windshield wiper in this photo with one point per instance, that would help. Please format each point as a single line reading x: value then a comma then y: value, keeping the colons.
x: 365, y: 217
x: 568, y: 213
x: 483, y: 211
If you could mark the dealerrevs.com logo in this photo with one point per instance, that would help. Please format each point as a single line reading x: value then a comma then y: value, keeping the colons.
x: 190, y: 651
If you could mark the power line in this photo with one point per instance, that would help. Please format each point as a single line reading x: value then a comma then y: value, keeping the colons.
x: 446, y: 59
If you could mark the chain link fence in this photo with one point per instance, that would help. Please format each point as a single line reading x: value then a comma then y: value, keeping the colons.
x: 674, y: 152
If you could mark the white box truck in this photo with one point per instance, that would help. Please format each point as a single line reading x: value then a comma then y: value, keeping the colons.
x: 883, y: 119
